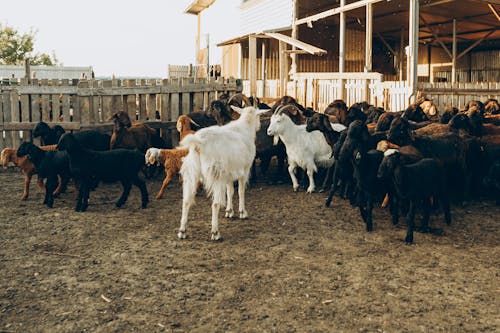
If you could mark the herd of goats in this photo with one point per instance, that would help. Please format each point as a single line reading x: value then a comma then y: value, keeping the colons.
x: 414, y: 159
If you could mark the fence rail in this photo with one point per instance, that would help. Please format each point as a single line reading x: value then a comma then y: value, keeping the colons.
x: 89, y: 104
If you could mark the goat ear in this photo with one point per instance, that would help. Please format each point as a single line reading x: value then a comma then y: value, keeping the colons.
x: 259, y: 112
x: 237, y: 109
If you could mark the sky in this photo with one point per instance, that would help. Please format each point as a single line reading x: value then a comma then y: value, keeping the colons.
x: 120, y: 37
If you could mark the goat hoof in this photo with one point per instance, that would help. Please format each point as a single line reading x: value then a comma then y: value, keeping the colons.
x: 310, y: 190
x: 118, y: 204
x: 369, y: 228
x: 216, y: 237
x: 181, y: 235
x: 229, y: 213
x: 409, y: 240
x: 295, y: 189
x: 243, y: 214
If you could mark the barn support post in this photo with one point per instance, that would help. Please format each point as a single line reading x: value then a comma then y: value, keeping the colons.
x: 401, y: 53
x: 368, y: 37
x: 413, y: 48
x: 263, y: 68
x: 293, y: 55
x: 282, y: 67
x: 342, y: 49
x: 454, y: 53
x: 252, y: 64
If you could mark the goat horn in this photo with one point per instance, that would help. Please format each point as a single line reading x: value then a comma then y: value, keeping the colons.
x: 193, y: 122
x: 243, y: 97
x: 288, y: 107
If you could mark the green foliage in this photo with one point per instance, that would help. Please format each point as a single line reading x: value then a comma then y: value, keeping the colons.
x: 15, y: 47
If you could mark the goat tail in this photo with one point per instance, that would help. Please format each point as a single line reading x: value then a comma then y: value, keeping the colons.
x: 190, y: 172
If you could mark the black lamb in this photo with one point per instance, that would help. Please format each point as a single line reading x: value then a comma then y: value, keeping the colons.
x: 88, y: 166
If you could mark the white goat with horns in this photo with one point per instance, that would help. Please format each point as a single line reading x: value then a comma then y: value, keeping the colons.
x: 218, y: 156
x: 306, y: 150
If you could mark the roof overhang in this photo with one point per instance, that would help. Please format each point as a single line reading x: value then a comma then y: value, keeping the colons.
x: 300, y: 45
x: 197, y: 6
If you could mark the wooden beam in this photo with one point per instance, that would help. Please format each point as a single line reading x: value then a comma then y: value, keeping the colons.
x: 495, y: 12
x: 436, y: 37
x: 335, y: 11
x: 386, y: 44
x: 476, y: 43
x: 436, y: 3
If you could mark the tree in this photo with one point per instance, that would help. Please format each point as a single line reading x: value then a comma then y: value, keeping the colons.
x: 15, y: 47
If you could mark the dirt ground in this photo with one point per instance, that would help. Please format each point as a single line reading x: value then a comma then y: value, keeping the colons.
x: 293, y: 266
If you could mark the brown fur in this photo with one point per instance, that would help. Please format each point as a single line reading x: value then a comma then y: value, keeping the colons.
x: 130, y: 135
x: 184, y: 126
x: 9, y: 155
x: 171, y: 159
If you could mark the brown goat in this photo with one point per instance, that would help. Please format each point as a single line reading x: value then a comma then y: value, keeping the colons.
x: 130, y: 135
x: 171, y: 159
x: 9, y: 155
x: 184, y: 126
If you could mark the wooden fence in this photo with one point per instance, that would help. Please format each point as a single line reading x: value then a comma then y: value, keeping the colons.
x: 77, y: 105
x: 458, y: 94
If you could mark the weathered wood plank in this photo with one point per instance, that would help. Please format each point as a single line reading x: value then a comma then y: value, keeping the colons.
x: 186, y: 103
x: 25, y: 114
x: 143, y: 113
x: 151, y: 106
x: 7, y: 117
x: 29, y: 126
x: 65, y: 107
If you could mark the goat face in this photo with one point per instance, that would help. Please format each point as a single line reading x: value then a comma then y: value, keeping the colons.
x: 250, y: 115
x: 399, y: 132
x: 41, y: 129
x: 389, y: 162
x: 151, y: 156
x: 121, y: 119
x: 317, y: 121
x: 277, y: 124
x: 6, y: 156
x: 429, y: 108
x: 461, y: 121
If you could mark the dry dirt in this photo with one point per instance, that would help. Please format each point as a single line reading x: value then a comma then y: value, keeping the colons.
x: 293, y: 266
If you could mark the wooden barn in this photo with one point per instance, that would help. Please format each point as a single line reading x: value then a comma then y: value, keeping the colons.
x: 384, y: 51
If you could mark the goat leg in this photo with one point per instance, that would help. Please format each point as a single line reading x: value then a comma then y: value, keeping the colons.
x: 26, y: 191
x: 126, y: 190
x: 410, y: 222
x: 369, y: 209
x: 229, y: 205
x: 425, y: 218
x: 144, y: 191
x: 164, y: 185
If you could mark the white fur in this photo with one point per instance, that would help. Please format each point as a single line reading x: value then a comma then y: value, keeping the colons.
x: 218, y: 156
x: 304, y: 149
x: 152, y: 155
x: 338, y: 127
x: 391, y: 151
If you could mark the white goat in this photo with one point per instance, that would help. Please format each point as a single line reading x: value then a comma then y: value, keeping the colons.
x: 218, y: 156
x: 304, y: 149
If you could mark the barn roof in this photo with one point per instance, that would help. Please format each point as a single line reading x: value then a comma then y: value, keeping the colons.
x: 475, y: 19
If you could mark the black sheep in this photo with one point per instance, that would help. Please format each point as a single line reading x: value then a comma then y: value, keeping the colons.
x: 88, y: 166
x: 48, y: 136
x: 50, y: 165
x: 416, y: 182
